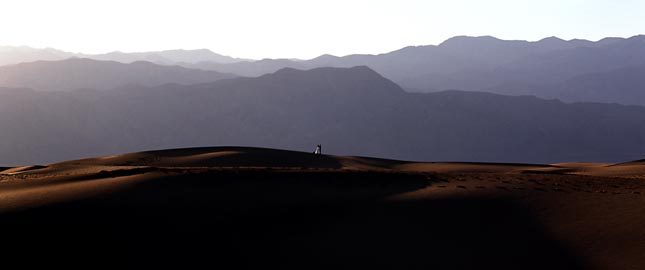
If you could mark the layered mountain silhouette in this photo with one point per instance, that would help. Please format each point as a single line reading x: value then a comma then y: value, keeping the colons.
x: 350, y: 111
x: 14, y: 55
x: 78, y: 73
x: 458, y: 54
x: 168, y: 57
x: 622, y: 85
x: 548, y: 68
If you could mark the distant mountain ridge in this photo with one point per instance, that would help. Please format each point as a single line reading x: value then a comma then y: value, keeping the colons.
x: 79, y: 73
x: 169, y: 57
x: 548, y: 68
x: 350, y: 111
x: 471, y: 48
x: 10, y: 55
x: 541, y: 68
x: 13, y: 55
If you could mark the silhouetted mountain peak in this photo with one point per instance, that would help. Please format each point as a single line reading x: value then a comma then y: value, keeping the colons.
x: 203, y: 50
x: 13, y: 55
x: 358, y: 71
x: 551, y: 40
x: 609, y: 40
x: 196, y: 55
x: 556, y: 43
x: 286, y: 70
x: 76, y: 61
x: 356, y: 81
x: 68, y: 62
x: 460, y: 41
x: 631, y: 45
x: 637, y: 38
x: 582, y: 42
x: 326, y: 57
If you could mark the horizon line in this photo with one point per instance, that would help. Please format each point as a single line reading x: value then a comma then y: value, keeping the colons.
x: 319, y: 55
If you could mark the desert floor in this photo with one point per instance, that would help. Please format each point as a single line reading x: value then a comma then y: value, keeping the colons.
x: 254, y: 208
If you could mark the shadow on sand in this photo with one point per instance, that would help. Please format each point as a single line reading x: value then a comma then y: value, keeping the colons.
x: 280, y: 220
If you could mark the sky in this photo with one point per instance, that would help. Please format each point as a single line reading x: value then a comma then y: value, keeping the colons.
x: 303, y: 29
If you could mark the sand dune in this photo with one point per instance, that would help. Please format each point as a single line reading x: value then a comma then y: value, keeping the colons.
x: 264, y: 157
x: 214, y: 157
x: 20, y: 169
x: 630, y: 169
x: 250, y: 208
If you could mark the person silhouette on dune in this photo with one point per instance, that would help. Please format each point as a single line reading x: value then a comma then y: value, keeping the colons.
x: 318, y: 150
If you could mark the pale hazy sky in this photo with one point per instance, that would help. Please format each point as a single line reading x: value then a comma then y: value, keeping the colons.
x: 301, y: 28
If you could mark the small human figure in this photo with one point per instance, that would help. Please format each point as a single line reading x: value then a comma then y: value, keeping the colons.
x: 318, y: 150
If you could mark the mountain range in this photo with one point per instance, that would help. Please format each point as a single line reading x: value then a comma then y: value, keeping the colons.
x: 79, y: 73
x: 350, y: 111
x: 548, y: 68
x: 168, y: 57
x: 10, y: 55
x: 14, y: 55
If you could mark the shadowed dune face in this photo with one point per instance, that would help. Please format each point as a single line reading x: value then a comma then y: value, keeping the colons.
x: 283, y: 220
x: 214, y: 157
x: 264, y: 157
x: 250, y: 208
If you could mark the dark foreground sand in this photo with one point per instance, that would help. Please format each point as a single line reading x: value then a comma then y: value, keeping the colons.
x: 252, y: 208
